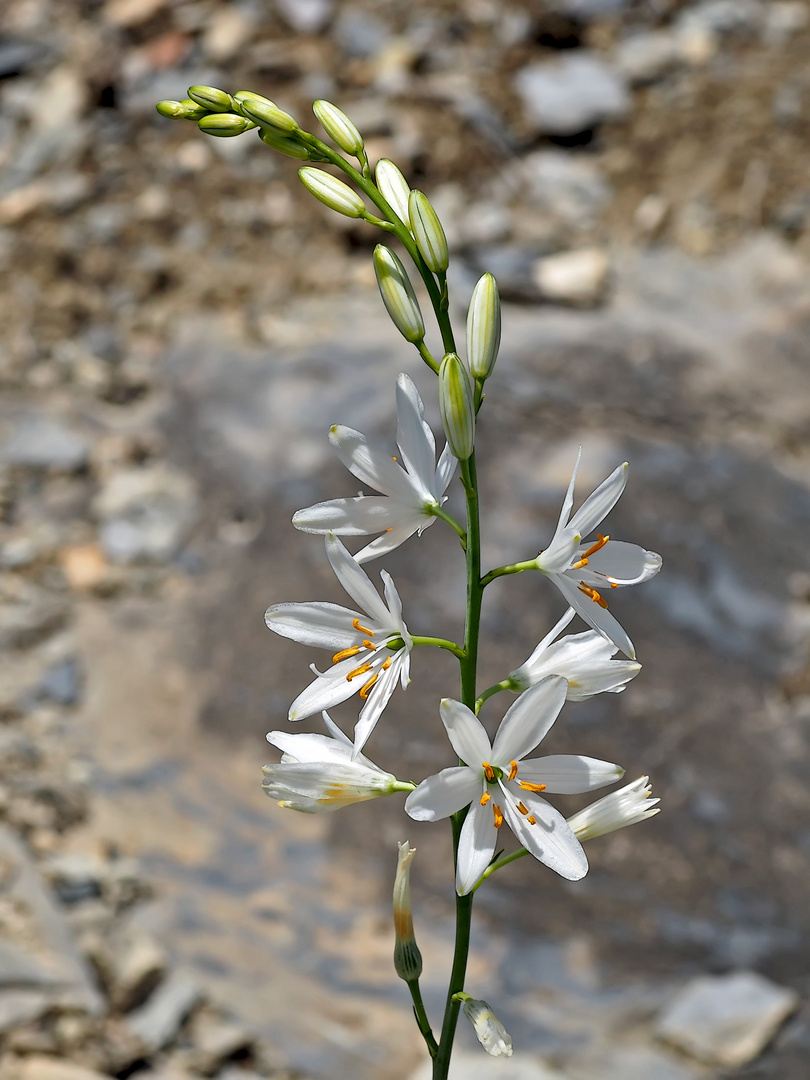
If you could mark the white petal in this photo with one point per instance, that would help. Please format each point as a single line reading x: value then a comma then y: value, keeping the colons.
x: 550, y: 636
x: 394, y: 605
x: 622, y: 563
x: 326, y: 690
x: 597, y: 617
x: 550, y: 839
x: 414, y: 437
x: 391, y: 539
x: 599, y: 504
x: 445, y: 471
x: 337, y: 733
x: 360, y: 516
x: 356, y: 582
x: 376, y: 701
x: 568, y: 501
x: 569, y: 774
x: 310, y: 747
x: 321, y: 625
x: 371, y: 465
x: 609, y: 677
x: 465, y: 732
x: 443, y: 794
x: 528, y: 720
x: 561, y: 552
x: 476, y: 846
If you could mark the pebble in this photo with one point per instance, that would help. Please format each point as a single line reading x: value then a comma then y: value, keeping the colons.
x: 62, y: 683
x: 465, y: 1065
x: 305, y: 16
x: 40, y: 1067
x: 85, y: 566
x: 571, y: 94
x: 44, y: 442
x: 216, y: 1040
x: 135, y: 967
x: 643, y: 58
x: 157, y: 1022
x: 572, y: 189
x: 227, y: 30
x: 579, y: 278
x: 629, y: 1063
x: 130, y: 13
x: 145, y: 514
x: 726, y: 1019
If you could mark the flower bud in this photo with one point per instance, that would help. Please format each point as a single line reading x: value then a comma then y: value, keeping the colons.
x: 456, y: 406
x: 407, y: 957
x: 621, y: 808
x: 483, y: 327
x: 211, y: 99
x: 394, y: 189
x: 285, y: 145
x: 332, y: 192
x: 428, y: 232
x: 267, y: 114
x: 488, y: 1029
x: 248, y: 95
x: 181, y: 110
x: 338, y: 127
x: 223, y: 125
x: 398, y: 295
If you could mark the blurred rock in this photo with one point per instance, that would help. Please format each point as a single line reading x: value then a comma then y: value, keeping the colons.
x: 359, y: 33
x: 130, y: 13
x: 305, y: 16
x: 784, y: 19
x: 466, y: 1065
x: 571, y: 94
x: 62, y: 683
x: 572, y: 189
x: 636, y: 1063
x: 215, y: 1040
x: 28, y: 614
x: 135, y: 967
x: 579, y: 278
x: 39, y: 441
x: 727, y: 1019
x: 85, y: 567
x: 145, y: 514
x: 157, y: 1022
x: 227, y: 30
x: 40, y: 1067
x: 75, y: 877
x: 18, y: 55
x: 643, y: 58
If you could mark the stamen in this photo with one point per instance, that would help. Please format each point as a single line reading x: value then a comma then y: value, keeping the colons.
x: 489, y: 772
x: 363, y: 629
x: 600, y: 543
x: 485, y: 798
x: 386, y: 664
x: 359, y: 671
x: 532, y: 820
x: 366, y: 690
x: 531, y: 787
x: 512, y: 770
x: 579, y: 563
x: 522, y: 809
x: 369, y: 645
x: 344, y: 654
x: 498, y: 815
x: 593, y: 594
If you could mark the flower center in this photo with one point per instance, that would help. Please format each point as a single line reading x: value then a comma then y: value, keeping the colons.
x: 367, y: 646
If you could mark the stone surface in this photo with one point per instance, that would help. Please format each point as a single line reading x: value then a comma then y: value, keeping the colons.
x: 643, y: 58
x: 42, y: 1067
x: 469, y: 1065
x: 43, y: 442
x: 571, y: 94
x: 157, y: 1022
x: 573, y: 277
x: 728, y: 1019
x: 630, y: 1063
x: 572, y: 189
x: 145, y: 514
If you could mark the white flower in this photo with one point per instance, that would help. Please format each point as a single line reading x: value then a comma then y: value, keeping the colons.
x: 488, y: 1029
x: 580, y: 571
x: 410, y: 492
x: 363, y: 660
x: 318, y: 773
x: 621, y: 808
x: 500, y: 785
x: 583, y: 659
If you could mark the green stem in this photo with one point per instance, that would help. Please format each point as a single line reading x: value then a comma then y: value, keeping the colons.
x: 437, y: 511
x: 505, y: 684
x: 503, y: 861
x: 512, y: 568
x: 422, y: 1021
x: 440, y: 643
x: 427, y: 356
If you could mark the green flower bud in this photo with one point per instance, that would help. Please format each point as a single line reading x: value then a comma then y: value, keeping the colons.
x: 483, y: 327
x: 178, y: 110
x: 291, y: 147
x: 211, y: 99
x: 267, y: 114
x: 332, y: 192
x: 338, y: 127
x: 394, y: 189
x: 428, y: 232
x: 398, y: 295
x: 223, y: 125
x: 407, y: 957
x: 456, y: 406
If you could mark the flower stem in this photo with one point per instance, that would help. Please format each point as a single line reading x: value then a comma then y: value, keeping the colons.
x: 505, y: 684
x: 422, y: 1021
x: 512, y: 568
x: 503, y: 861
x: 440, y: 643
x: 438, y: 512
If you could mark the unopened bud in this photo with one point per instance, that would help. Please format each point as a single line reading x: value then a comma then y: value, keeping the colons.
x: 626, y: 806
x: 394, y: 189
x: 181, y: 110
x: 483, y: 327
x: 285, y: 145
x: 488, y: 1029
x: 223, y: 125
x: 456, y: 406
x: 248, y: 95
x: 428, y: 232
x: 267, y: 114
x: 398, y: 295
x: 332, y: 192
x: 338, y: 127
x: 211, y: 98
x: 407, y: 957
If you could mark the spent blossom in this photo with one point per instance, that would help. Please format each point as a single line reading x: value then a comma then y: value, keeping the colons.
x: 625, y: 806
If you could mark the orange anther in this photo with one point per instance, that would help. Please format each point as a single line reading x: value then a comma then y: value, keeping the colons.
x: 346, y: 653
x: 485, y: 798
x: 512, y: 770
x: 522, y: 809
x: 358, y: 671
x: 366, y: 690
x: 363, y: 629
x: 600, y: 543
x: 386, y: 664
x: 531, y: 787
x: 593, y: 594
x: 489, y: 772
x: 532, y: 820
x: 498, y: 815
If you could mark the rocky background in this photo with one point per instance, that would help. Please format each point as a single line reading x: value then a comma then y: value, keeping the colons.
x: 180, y: 325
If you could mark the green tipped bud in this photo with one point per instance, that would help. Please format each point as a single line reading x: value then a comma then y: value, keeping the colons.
x: 268, y: 115
x: 291, y: 147
x: 398, y: 295
x: 223, y: 125
x: 428, y: 232
x: 338, y: 127
x: 211, y: 99
x: 394, y: 189
x: 483, y: 327
x: 332, y: 192
x: 181, y: 110
x: 407, y: 957
x: 457, y: 406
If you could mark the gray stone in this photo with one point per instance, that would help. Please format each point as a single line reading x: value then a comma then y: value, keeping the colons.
x: 469, y: 1065
x: 571, y: 94
x: 359, y: 34
x: 136, y: 966
x: 722, y: 16
x: 305, y: 16
x: 42, y: 442
x: 75, y: 877
x: 629, y: 1063
x: 146, y: 514
x: 571, y: 188
x: 157, y: 1022
x: 728, y: 1019
x: 579, y: 278
x: 594, y: 9
x: 42, y: 1067
x: 62, y: 683
x: 643, y: 58
x: 216, y: 1040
